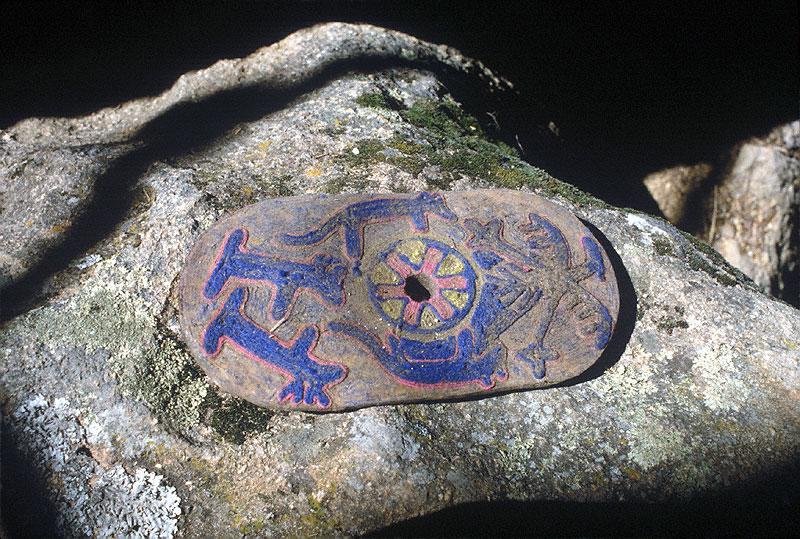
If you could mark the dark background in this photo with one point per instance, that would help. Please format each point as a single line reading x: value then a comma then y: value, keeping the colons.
x: 632, y: 86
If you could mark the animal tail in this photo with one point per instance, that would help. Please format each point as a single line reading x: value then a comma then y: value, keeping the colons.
x: 219, y: 276
x: 370, y: 342
x: 314, y: 236
x: 594, y: 258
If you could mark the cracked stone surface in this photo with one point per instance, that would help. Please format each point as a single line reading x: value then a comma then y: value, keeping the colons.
x: 698, y: 390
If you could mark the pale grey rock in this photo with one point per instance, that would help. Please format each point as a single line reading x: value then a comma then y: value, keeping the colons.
x: 41, y: 189
x: 698, y: 391
x: 673, y: 189
x: 113, y: 502
x: 747, y: 205
x: 757, y: 228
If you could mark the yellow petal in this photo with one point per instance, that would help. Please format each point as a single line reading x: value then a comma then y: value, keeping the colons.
x: 392, y: 307
x: 428, y: 320
x: 383, y: 274
x: 458, y: 299
x: 413, y: 249
x: 451, y: 265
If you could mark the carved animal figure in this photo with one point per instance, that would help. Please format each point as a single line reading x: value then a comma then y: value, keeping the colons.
x: 443, y: 362
x: 323, y: 275
x: 308, y: 378
x: 352, y: 220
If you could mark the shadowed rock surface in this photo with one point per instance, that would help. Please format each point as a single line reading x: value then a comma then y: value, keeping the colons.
x: 697, y: 392
x: 747, y: 204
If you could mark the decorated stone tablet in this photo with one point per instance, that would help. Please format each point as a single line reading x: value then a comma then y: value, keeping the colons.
x: 338, y: 302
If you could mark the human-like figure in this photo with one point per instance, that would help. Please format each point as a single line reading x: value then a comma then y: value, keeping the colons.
x: 511, y: 290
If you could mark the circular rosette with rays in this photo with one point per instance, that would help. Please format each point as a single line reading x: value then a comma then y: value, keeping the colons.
x: 422, y: 285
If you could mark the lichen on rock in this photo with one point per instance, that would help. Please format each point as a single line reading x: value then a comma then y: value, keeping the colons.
x: 92, y: 498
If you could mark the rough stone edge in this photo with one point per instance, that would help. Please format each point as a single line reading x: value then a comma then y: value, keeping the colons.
x: 280, y: 65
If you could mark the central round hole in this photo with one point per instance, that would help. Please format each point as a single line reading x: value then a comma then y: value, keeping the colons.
x: 415, y: 289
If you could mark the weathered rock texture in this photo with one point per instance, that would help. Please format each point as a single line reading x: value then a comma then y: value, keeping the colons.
x: 747, y: 206
x: 699, y: 388
x: 673, y: 189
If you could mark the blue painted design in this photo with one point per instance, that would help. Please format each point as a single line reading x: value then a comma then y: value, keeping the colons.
x: 542, y: 235
x: 448, y: 314
x: 463, y: 366
x: 603, y: 331
x: 426, y: 351
x: 537, y: 355
x: 502, y: 302
x: 594, y: 256
x: 510, y: 289
x: 488, y: 237
x: 486, y: 259
x: 352, y: 220
x: 308, y: 378
x: 527, y: 278
x: 323, y: 275
x: 488, y: 309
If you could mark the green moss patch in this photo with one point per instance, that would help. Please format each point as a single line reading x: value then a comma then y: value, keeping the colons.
x: 170, y: 383
x: 357, y: 181
x: 179, y: 394
x: 454, y: 142
x: 236, y: 420
x: 704, y: 258
x: 443, y: 117
x: 672, y: 319
x: 378, y: 100
x: 365, y: 151
x: 319, y: 522
x: 663, y: 246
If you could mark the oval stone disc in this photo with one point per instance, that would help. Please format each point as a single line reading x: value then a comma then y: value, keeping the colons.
x: 338, y: 302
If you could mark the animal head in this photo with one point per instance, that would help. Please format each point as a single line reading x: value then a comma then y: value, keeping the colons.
x: 541, y: 234
x: 434, y: 203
